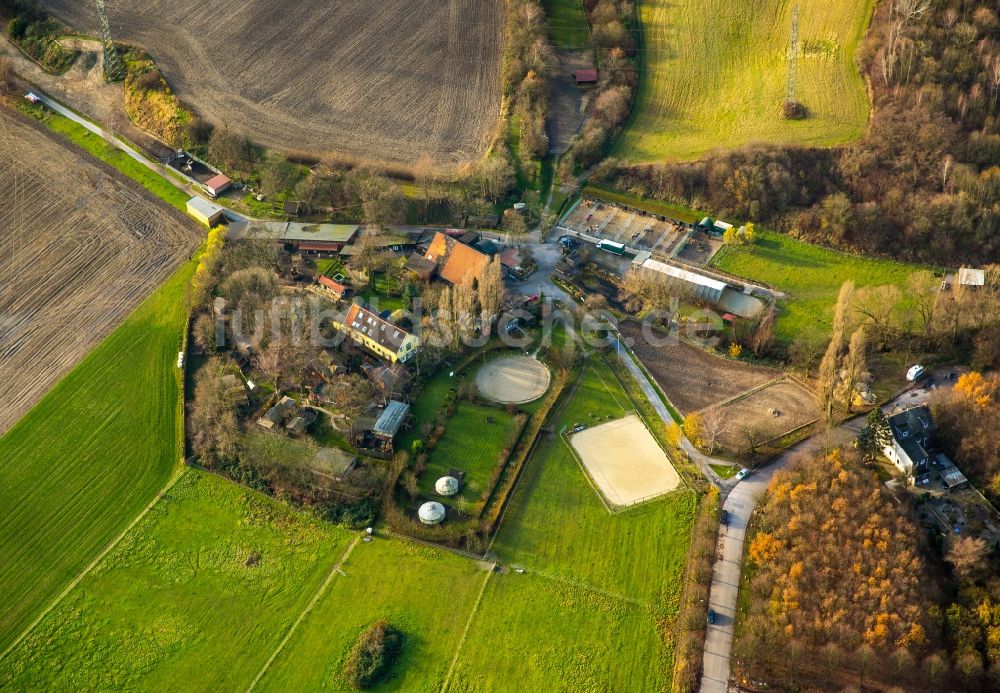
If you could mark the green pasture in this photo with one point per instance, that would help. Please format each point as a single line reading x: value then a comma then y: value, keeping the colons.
x: 810, y: 275
x: 568, y: 27
x: 89, y: 456
x: 536, y: 634
x: 714, y: 74
x: 557, y: 525
x: 427, y: 593
x: 196, y: 596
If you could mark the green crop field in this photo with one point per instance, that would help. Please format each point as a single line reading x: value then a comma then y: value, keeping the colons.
x: 547, y: 635
x: 196, y: 596
x: 427, y: 593
x: 811, y: 276
x: 714, y: 76
x: 473, y: 440
x: 89, y: 456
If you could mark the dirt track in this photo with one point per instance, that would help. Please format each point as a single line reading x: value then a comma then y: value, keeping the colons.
x: 384, y: 81
x: 81, y: 248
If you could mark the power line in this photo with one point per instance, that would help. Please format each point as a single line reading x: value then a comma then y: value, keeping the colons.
x: 112, y: 65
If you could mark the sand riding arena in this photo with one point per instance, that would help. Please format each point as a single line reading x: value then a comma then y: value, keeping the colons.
x: 513, y: 379
x: 625, y: 462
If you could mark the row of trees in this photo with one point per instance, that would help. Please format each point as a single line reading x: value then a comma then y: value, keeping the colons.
x: 529, y: 62
x: 922, y: 183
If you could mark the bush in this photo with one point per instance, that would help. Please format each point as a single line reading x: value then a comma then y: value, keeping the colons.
x: 373, y: 654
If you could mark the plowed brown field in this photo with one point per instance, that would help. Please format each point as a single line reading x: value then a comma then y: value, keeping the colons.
x: 79, y: 249
x: 384, y: 81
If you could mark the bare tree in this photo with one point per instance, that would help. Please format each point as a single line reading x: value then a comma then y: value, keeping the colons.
x: 855, y: 365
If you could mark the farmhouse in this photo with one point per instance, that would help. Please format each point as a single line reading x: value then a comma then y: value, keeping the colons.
x: 320, y: 239
x: 703, y: 287
x: 457, y: 263
x: 379, y: 336
x: 911, y: 449
x: 208, y: 213
x: 217, y: 185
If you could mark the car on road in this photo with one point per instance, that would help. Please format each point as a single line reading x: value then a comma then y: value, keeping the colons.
x: 711, y: 616
x: 724, y: 517
x: 743, y: 474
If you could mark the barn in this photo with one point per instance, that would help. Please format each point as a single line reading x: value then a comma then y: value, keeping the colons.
x: 702, y: 287
x: 294, y: 236
x: 585, y: 77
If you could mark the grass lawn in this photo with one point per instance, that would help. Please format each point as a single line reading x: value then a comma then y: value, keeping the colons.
x: 550, y: 636
x: 329, y: 266
x: 179, y: 603
x: 379, y: 295
x: 557, y: 525
x: 427, y: 593
x: 714, y: 76
x: 470, y: 443
x: 667, y: 209
x: 100, y: 149
x: 811, y: 276
x: 568, y: 27
x: 725, y: 471
x: 89, y: 456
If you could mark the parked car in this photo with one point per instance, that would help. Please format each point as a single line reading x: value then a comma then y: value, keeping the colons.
x: 915, y: 373
x: 578, y: 428
x: 724, y: 517
x: 743, y: 474
x: 711, y: 616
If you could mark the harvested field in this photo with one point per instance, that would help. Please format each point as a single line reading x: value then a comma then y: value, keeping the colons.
x: 625, y: 461
x: 386, y: 82
x: 692, y: 378
x: 771, y: 411
x: 81, y: 249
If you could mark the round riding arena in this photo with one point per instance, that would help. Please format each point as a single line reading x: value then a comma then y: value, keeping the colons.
x: 513, y: 379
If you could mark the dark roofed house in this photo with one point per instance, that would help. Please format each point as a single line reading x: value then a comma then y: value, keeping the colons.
x: 470, y: 237
x: 486, y: 246
x: 420, y: 266
x: 913, y: 433
x: 585, y: 76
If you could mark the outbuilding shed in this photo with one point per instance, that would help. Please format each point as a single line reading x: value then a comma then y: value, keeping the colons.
x: 205, y: 211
